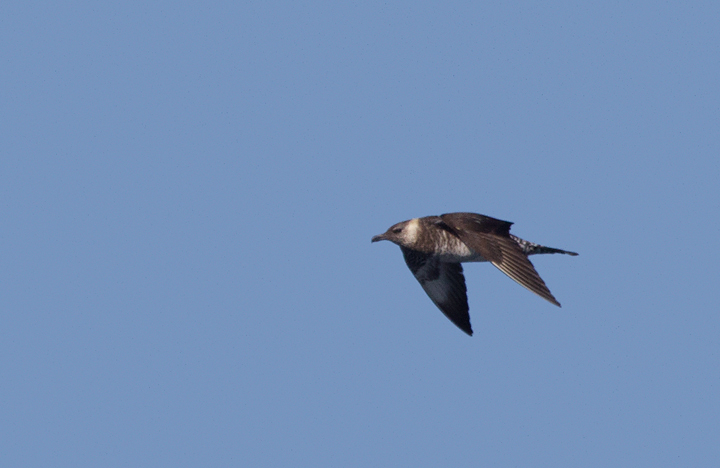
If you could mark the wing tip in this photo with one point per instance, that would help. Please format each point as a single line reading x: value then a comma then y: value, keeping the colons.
x: 551, y: 299
x: 464, y: 326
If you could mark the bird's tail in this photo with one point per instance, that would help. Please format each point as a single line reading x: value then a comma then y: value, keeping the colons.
x: 531, y: 248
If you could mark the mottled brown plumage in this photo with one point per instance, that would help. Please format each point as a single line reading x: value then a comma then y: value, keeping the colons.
x: 435, y: 246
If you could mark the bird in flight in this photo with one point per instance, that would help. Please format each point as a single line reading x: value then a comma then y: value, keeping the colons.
x: 435, y: 247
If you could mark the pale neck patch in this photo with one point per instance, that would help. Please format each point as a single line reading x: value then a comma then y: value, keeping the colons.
x: 411, y: 231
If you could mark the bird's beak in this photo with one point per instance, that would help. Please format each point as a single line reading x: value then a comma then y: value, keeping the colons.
x: 378, y: 238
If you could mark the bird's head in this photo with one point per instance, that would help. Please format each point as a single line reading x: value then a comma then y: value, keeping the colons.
x: 403, y: 234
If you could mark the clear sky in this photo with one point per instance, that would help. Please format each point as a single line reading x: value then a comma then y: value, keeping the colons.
x: 188, y: 192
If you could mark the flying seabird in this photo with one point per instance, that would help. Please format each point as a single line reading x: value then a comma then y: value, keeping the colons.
x: 435, y: 246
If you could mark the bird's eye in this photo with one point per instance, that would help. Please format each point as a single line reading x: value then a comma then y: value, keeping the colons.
x: 397, y: 230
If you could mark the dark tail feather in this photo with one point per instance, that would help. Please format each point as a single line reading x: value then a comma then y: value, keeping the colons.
x: 540, y: 249
x: 531, y: 248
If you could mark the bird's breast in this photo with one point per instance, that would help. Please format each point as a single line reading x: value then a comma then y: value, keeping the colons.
x: 452, y: 249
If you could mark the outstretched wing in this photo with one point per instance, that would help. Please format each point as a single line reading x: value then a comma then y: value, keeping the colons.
x: 444, y: 283
x: 490, y: 238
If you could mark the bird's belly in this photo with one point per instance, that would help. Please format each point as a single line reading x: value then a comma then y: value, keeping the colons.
x: 460, y: 253
x: 454, y: 258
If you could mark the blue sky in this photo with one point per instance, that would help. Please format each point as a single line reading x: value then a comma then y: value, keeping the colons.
x: 188, y: 196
